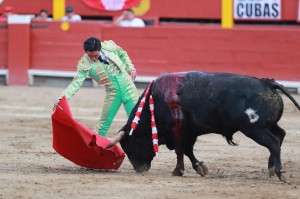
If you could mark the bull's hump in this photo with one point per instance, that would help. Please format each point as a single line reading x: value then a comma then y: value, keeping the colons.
x: 168, y: 84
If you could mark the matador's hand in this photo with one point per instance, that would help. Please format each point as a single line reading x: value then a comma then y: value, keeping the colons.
x: 56, y: 103
x: 133, y: 74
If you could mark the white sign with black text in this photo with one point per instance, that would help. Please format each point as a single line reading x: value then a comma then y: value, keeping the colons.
x: 257, y: 9
x: 299, y: 11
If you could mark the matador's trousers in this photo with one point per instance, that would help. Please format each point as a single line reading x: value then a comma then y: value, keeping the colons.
x: 120, y: 91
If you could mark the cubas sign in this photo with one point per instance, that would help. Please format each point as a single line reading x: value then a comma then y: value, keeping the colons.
x: 257, y: 9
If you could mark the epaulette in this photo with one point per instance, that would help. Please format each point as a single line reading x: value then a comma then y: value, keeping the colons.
x: 84, y: 63
x: 109, y: 45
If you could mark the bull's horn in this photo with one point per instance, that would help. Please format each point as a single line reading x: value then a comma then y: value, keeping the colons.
x: 116, y: 140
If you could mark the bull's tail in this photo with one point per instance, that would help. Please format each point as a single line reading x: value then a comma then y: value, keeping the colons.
x: 278, y: 86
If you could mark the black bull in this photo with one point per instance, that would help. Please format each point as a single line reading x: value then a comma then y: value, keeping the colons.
x: 194, y: 103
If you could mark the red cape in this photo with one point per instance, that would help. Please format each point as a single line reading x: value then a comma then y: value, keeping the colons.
x: 81, y: 145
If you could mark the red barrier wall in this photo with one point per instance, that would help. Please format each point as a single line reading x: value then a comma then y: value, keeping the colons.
x: 3, y: 44
x: 199, y: 9
x: 55, y: 49
x: 260, y: 51
x: 263, y: 51
x: 18, y: 54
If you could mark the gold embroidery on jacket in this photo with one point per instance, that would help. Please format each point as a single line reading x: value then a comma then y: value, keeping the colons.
x: 112, y: 69
x: 102, y: 76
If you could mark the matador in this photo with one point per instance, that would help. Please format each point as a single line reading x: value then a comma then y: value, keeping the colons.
x: 109, y: 65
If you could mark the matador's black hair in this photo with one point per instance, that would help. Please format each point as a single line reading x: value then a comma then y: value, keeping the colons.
x: 92, y: 44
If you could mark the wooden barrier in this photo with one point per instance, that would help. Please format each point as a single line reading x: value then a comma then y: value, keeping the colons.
x: 3, y: 44
x: 55, y: 49
x: 254, y: 50
x: 18, y: 49
x: 262, y: 51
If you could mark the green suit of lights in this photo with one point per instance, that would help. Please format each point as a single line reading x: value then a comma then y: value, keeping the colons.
x: 114, y: 76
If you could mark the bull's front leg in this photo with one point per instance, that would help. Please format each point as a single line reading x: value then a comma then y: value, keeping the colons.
x: 198, y: 166
x: 179, y: 169
x: 178, y: 135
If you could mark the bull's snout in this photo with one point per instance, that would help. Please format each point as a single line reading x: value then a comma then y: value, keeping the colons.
x: 142, y: 168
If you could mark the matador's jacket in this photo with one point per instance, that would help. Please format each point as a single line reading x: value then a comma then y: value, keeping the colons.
x: 114, y: 76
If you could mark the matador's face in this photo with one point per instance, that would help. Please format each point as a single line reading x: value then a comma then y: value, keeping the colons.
x: 93, y: 55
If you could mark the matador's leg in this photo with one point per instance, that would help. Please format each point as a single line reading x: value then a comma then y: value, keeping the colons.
x: 129, y: 96
x: 129, y: 100
x: 110, y: 108
x: 128, y: 105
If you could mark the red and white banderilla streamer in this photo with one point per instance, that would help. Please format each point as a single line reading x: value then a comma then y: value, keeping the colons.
x: 153, y: 125
x: 138, y: 115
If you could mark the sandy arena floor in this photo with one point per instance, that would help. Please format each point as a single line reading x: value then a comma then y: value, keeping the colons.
x: 30, y: 168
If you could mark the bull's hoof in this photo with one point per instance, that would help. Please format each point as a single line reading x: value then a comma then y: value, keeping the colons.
x: 281, y: 176
x: 271, y: 172
x: 201, y: 168
x: 178, y: 172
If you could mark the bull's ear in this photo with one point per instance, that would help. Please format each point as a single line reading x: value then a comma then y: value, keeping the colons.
x: 116, y: 140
